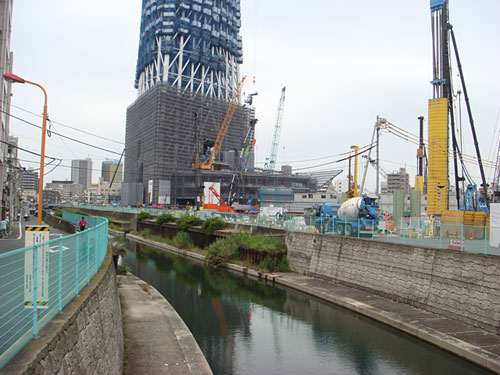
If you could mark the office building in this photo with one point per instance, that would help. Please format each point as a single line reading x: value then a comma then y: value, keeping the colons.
x: 81, y: 172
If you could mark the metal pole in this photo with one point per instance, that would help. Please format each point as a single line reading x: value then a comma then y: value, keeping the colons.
x: 440, y: 236
x: 42, y: 153
x: 76, y: 263
x: 35, y: 290
x: 471, y: 120
x: 60, y: 272
x: 378, y: 161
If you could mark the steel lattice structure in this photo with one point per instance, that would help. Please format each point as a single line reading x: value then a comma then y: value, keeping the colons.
x: 193, y: 45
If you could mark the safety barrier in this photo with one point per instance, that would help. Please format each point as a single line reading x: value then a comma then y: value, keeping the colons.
x: 412, y: 231
x: 37, y: 281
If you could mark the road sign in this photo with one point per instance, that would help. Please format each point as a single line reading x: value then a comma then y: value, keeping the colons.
x: 36, y: 234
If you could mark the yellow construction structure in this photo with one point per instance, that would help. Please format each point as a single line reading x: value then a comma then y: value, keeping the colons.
x: 437, y: 179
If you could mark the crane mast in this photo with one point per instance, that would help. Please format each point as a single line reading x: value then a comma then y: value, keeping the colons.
x: 271, y: 160
x: 207, y: 164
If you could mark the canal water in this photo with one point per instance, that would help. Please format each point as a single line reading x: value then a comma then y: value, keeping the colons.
x: 248, y: 327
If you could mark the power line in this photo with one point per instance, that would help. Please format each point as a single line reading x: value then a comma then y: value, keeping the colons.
x: 28, y: 151
x: 61, y: 135
x: 67, y: 126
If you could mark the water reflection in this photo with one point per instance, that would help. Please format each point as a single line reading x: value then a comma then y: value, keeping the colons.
x: 247, y: 327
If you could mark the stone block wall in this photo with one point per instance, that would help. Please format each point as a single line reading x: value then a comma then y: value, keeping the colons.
x: 455, y: 284
x: 86, y: 337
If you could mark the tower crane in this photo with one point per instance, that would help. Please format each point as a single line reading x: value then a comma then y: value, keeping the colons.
x: 271, y: 160
x: 207, y: 163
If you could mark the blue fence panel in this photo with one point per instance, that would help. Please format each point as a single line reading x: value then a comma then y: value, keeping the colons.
x: 61, y: 268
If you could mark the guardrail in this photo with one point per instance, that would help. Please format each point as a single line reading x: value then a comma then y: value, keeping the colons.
x: 36, y: 282
x: 412, y: 231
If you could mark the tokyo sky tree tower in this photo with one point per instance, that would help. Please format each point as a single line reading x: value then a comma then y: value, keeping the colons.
x: 193, y: 45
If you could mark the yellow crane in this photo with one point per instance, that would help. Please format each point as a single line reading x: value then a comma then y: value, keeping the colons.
x: 353, y: 190
x: 208, y: 162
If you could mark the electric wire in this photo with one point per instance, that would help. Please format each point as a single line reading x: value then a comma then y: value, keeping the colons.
x: 61, y: 135
x: 67, y: 126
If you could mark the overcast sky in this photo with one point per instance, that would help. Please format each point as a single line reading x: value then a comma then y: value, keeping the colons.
x: 343, y: 62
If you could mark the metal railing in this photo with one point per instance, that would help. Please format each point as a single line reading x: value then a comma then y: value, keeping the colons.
x: 36, y: 282
x: 411, y: 231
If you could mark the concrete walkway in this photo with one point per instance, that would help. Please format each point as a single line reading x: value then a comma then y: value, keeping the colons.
x: 156, y: 339
x: 474, y: 344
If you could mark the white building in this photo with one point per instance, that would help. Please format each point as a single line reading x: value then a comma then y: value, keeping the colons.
x: 97, y: 192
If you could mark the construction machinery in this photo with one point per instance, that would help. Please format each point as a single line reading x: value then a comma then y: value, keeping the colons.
x: 357, y: 217
x: 353, y: 187
x: 271, y: 159
x: 221, y: 206
x: 441, y: 113
x: 211, y: 149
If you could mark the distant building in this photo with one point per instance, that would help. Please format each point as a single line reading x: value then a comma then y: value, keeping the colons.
x: 98, y: 192
x: 29, y: 180
x: 397, y: 181
x: 5, y: 91
x: 29, y: 195
x: 81, y: 172
x: 51, y: 197
x: 340, y: 186
x: 108, y: 169
x: 68, y: 190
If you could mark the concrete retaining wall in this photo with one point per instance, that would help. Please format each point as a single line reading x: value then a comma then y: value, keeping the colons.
x: 458, y: 285
x: 86, y: 337
x: 58, y: 222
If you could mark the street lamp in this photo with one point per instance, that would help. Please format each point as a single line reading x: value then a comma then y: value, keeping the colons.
x: 11, y: 77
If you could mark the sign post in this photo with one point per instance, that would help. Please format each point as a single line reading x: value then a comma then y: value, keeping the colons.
x: 36, y: 234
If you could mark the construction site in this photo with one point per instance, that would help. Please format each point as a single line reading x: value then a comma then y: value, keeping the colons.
x: 190, y: 135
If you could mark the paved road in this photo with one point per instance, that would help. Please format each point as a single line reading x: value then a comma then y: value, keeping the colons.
x: 15, y: 239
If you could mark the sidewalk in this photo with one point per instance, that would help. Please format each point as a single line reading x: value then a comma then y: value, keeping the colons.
x: 156, y: 339
x: 471, y: 343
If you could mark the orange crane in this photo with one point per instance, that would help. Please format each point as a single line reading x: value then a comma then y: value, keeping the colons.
x: 221, y: 207
x: 207, y: 164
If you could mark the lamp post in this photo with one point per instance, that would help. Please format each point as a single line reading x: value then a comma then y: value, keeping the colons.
x: 16, y: 79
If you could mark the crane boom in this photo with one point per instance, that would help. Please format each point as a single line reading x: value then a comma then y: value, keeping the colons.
x: 207, y: 164
x: 271, y: 160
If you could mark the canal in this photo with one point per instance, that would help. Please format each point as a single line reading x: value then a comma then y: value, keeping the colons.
x: 248, y: 327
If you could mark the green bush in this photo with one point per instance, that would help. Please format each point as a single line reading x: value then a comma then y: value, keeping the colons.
x: 164, y: 218
x: 122, y: 270
x: 126, y: 230
x: 283, y: 265
x: 186, y: 221
x: 222, y: 251
x: 58, y: 213
x: 183, y: 240
x: 266, y: 244
x: 146, y: 233
x: 267, y: 264
x: 211, y: 225
x: 143, y: 215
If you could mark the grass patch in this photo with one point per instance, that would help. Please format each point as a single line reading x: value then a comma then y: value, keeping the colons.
x: 164, y: 218
x: 143, y: 215
x: 185, y: 222
x: 209, y: 226
x: 183, y: 240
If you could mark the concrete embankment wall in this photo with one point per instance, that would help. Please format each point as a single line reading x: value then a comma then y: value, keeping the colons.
x: 457, y: 285
x: 86, y: 337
